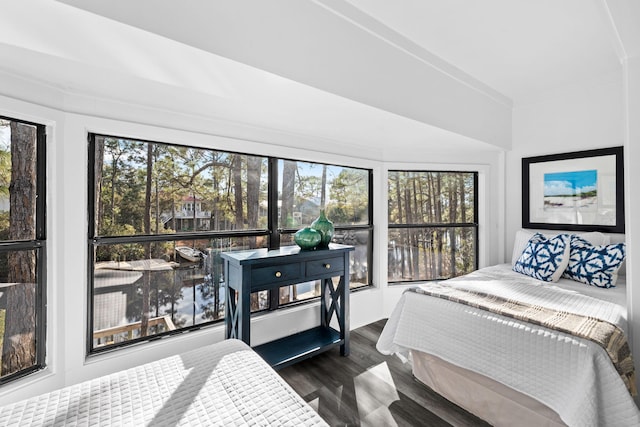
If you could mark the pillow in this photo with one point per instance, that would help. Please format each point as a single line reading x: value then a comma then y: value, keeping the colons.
x: 595, y: 265
x: 544, y: 259
x: 523, y: 236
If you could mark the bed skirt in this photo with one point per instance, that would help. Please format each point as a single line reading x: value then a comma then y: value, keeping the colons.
x: 490, y: 400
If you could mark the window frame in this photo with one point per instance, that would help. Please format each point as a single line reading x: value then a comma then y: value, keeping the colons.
x: 274, y: 241
x: 39, y: 245
x: 474, y: 225
x: 273, y: 233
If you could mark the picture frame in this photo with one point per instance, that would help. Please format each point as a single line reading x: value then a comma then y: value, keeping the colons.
x: 576, y: 191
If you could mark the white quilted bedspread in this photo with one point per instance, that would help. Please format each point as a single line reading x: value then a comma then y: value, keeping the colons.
x: 572, y: 376
x: 225, y: 384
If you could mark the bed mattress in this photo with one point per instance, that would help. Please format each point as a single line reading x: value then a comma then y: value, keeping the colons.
x: 572, y: 376
x: 225, y: 384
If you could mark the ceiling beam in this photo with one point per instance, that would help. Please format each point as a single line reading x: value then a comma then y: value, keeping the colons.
x: 331, y: 46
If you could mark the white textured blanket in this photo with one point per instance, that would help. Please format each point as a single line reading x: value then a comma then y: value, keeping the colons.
x: 574, y: 377
x: 225, y: 384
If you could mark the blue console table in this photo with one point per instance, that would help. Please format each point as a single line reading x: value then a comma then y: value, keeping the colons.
x: 262, y: 269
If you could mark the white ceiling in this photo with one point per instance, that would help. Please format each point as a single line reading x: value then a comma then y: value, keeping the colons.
x: 442, y: 73
x: 518, y: 47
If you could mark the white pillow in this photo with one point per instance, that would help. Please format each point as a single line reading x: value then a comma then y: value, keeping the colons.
x: 522, y: 238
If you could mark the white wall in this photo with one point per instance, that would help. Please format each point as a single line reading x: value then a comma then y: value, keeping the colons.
x: 578, y: 118
x: 67, y: 227
x: 632, y: 172
x: 490, y: 209
x: 572, y: 118
x: 56, y: 336
x: 67, y: 154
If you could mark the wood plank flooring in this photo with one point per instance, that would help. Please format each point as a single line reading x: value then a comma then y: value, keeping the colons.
x: 371, y: 389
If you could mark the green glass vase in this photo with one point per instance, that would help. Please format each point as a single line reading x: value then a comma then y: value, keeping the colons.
x: 307, y: 238
x: 325, y: 227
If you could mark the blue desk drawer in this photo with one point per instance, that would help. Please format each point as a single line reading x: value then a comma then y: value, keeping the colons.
x: 326, y: 267
x: 275, y: 274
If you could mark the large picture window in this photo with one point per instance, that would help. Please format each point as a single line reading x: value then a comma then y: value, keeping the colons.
x: 22, y: 248
x: 433, y: 225
x: 161, y: 214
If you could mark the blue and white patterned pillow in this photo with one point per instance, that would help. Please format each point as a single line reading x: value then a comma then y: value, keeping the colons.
x: 594, y: 265
x: 544, y: 259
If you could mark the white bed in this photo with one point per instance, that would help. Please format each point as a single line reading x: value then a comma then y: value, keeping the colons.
x: 225, y: 384
x: 510, y: 372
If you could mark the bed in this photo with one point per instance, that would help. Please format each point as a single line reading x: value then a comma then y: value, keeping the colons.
x: 224, y: 384
x: 507, y: 370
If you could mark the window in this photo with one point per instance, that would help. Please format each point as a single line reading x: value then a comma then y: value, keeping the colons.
x: 161, y: 214
x: 22, y: 248
x: 433, y: 225
x: 345, y: 193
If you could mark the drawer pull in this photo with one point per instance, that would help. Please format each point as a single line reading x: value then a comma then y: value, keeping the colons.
x: 327, y: 266
x: 278, y: 274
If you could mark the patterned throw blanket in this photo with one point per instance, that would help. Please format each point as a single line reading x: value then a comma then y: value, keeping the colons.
x: 609, y: 336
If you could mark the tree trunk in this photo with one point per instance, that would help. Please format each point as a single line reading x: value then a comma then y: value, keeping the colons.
x: 146, y: 283
x: 99, y: 203
x: 216, y: 212
x: 19, y: 346
x: 408, y: 242
x: 453, y: 199
x: 254, y: 165
x: 434, y: 231
x: 323, y: 192
x: 463, y: 218
x: 288, y: 186
x: 157, y: 193
x: 114, y: 175
x: 400, y: 217
x: 237, y: 191
x: 437, y: 205
x: 173, y: 215
x: 439, y: 234
x: 425, y: 234
x: 415, y: 234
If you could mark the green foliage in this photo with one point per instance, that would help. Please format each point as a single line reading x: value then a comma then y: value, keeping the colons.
x: 178, y: 175
x: 4, y: 225
x: 4, y: 235
x: 123, y: 253
x: 308, y: 187
x: 5, y: 181
x: 349, y: 193
x: 5, y: 170
x: 134, y: 251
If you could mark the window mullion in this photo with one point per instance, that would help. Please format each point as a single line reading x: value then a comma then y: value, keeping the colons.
x: 272, y: 197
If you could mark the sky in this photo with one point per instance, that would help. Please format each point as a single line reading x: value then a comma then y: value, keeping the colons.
x: 566, y: 183
x: 5, y: 136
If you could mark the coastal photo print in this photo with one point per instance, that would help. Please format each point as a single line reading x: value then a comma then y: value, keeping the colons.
x: 574, y: 191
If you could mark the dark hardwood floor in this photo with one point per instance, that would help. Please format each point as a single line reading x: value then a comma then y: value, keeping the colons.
x: 371, y: 389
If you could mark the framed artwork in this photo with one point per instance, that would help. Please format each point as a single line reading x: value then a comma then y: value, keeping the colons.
x: 578, y: 191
